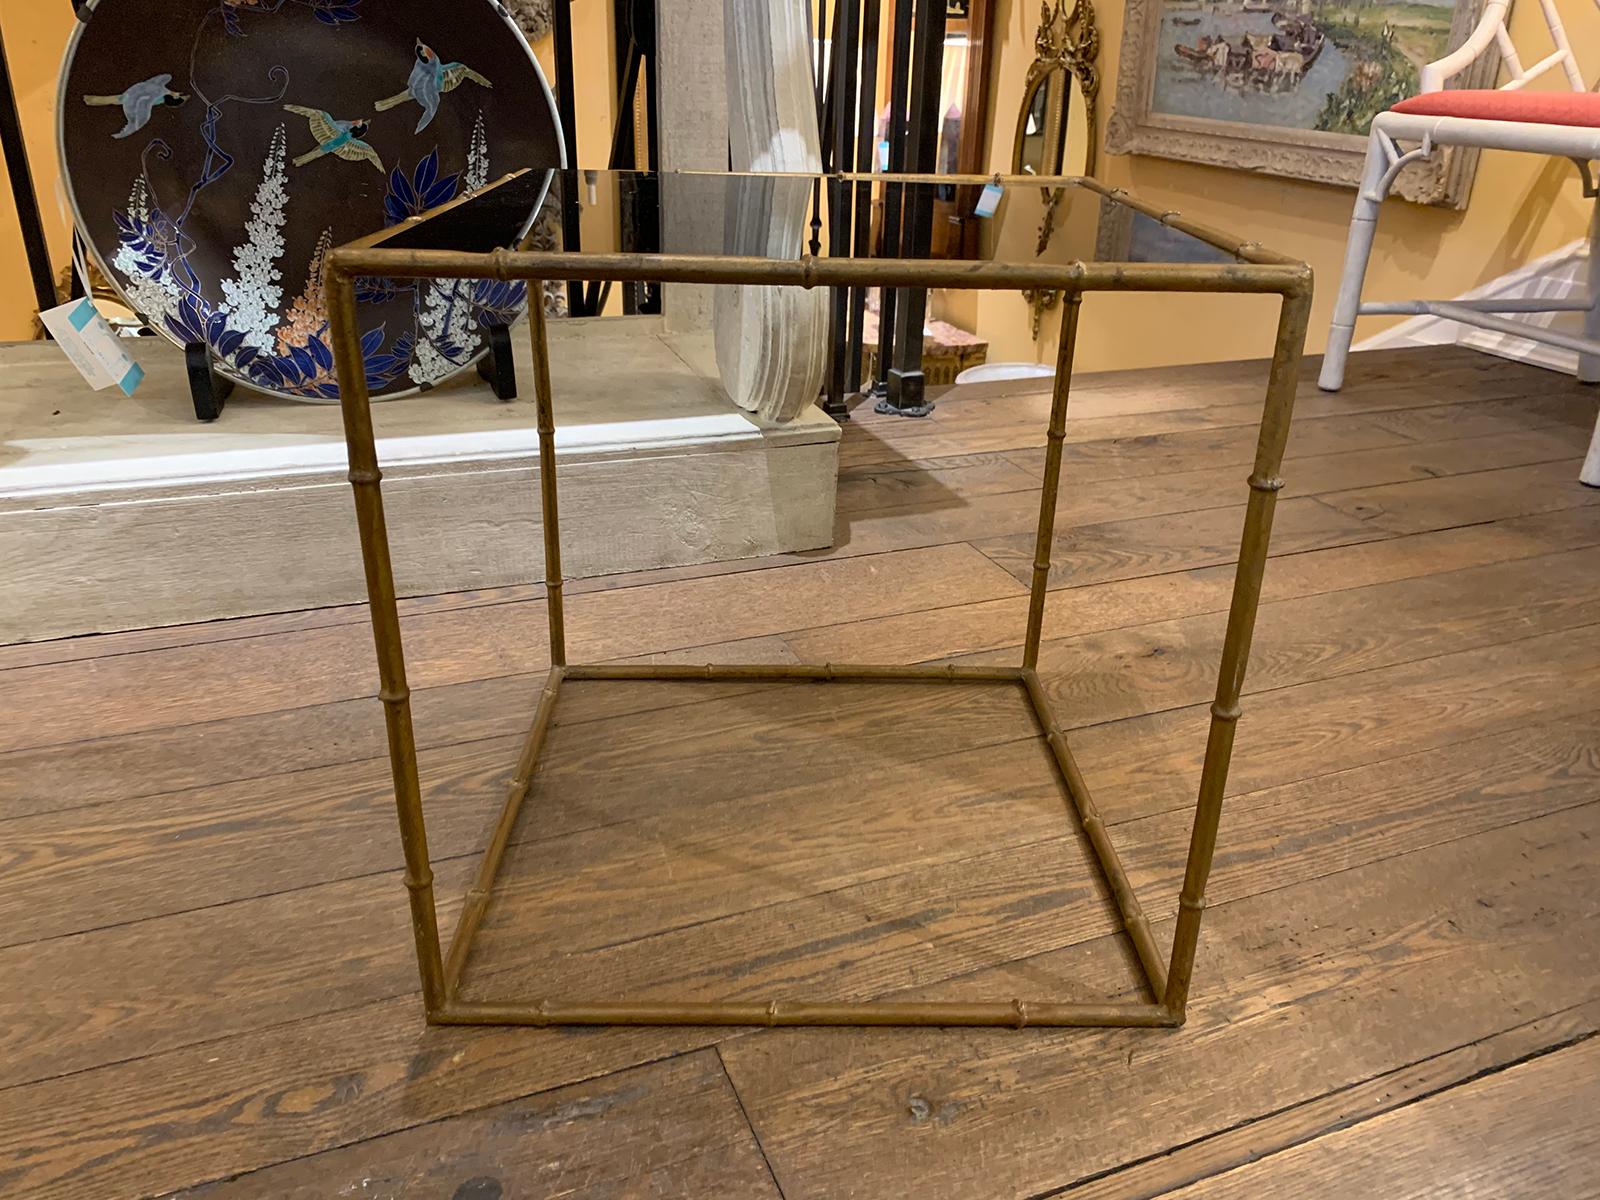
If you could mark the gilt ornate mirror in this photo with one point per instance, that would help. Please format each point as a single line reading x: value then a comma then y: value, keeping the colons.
x: 1065, y: 47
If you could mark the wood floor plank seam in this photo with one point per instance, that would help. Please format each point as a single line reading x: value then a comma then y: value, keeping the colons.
x: 1231, y: 799
x: 1133, y: 628
x: 796, y: 639
x: 1116, y: 934
x: 914, y: 468
x: 1243, y: 468
x: 755, y: 1134
x: 1486, y: 1073
x: 361, y: 611
x: 265, y: 1027
x: 918, y: 466
x: 1236, y: 502
x: 443, y: 860
x: 440, y: 860
x: 469, y: 1110
x: 1369, y: 536
x: 905, y: 443
x: 911, y: 431
x: 1282, y: 687
x: 1334, y: 1127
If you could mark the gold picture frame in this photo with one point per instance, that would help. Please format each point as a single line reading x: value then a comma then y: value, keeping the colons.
x: 1139, y: 125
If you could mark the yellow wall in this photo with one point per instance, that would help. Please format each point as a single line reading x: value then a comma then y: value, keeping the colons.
x: 1521, y: 206
x: 36, y: 34
x: 594, y: 98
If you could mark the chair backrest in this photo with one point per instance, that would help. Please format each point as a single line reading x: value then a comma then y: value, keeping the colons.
x: 1491, y: 29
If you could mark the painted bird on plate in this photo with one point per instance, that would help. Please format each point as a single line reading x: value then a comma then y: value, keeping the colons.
x: 140, y: 101
x: 341, y: 138
x: 431, y: 78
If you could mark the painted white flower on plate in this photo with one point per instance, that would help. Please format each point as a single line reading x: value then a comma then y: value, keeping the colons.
x: 448, y: 336
x: 154, y: 296
x: 254, y: 296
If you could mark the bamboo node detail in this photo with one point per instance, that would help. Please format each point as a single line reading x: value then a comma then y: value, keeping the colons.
x: 1270, y: 484
x: 1021, y: 1009
x: 1230, y: 712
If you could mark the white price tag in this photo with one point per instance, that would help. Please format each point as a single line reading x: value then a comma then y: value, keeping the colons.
x: 988, y: 200
x: 97, y: 352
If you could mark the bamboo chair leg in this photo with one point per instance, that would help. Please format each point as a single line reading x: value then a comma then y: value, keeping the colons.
x: 1358, y: 251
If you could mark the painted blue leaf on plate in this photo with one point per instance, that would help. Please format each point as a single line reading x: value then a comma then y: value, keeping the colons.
x: 498, y: 301
x: 421, y: 190
x: 229, y: 343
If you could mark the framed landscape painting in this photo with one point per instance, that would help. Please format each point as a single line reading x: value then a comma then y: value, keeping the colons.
x: 1287, y: 87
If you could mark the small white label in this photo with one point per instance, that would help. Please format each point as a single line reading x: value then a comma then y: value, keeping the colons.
x: 97, y: 352
x: 988, y: 200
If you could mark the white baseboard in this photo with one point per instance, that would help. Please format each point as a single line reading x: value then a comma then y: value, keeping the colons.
x: 1559, y: 275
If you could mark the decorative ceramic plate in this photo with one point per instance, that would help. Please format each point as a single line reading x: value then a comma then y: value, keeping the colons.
x: 214, y: 150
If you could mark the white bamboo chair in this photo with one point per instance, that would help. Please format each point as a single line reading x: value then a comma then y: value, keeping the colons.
x: 1565, y: 123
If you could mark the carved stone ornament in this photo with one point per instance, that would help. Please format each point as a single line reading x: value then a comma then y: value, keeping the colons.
x: 532, y: 15
x: 1444, y: 179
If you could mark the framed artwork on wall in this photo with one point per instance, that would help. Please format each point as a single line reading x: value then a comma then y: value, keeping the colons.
x: 1287, y: 87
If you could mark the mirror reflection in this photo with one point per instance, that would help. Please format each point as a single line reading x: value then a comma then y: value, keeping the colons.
x: 1042, y: 128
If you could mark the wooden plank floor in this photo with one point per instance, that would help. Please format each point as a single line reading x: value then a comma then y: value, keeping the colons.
x: 209, y: 988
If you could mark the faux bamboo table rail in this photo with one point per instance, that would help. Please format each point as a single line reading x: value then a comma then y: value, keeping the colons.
x: 1166, y: 977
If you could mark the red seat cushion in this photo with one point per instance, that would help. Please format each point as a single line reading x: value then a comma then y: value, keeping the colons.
x: 1538, y: 108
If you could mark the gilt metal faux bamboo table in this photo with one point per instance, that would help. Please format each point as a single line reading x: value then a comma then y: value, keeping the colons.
x: 1248, y: 269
